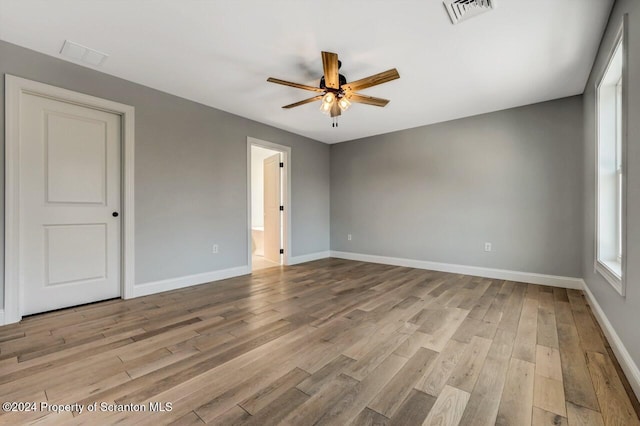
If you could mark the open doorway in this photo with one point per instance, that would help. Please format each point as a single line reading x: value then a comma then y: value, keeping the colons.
x: 268, y: 210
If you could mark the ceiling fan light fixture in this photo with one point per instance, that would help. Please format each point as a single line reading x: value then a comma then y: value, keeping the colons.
x: 328, y: 98
x: 344, y: 104
x: 325, y: 107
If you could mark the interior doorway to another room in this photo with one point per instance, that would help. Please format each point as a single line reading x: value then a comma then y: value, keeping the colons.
x: 267, y: 207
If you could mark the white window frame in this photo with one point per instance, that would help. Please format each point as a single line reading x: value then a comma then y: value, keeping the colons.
x: 614, y: 270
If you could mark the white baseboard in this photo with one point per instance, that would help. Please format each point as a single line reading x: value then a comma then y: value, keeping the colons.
x: 500, y: 274
x: 188, y: 280
x: 309, y: 257
x: 627, y: 364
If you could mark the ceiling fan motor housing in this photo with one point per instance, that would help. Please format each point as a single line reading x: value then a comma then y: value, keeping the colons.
x: 342, y: 80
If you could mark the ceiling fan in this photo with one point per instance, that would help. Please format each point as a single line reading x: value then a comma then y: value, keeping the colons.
x: 335, y: 93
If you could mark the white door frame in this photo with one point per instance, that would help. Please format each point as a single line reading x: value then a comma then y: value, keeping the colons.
x: 286, y: 178
x: 15, y: 88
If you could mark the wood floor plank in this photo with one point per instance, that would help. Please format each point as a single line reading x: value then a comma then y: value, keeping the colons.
x: 614, y: 402
x: 414, y: 409
x: 581, y: 416
x: 273, y: 413
x: 194, y: 366
x: 548, y: 394
x: 373, y: 340
x: 471, y: 327
x: 564, y: 314
x: 92, y: 384
x: 548, y: 363
x: 414, y: 342
x: 448, y: 408
x: 512, y: 308
x: 326, y: 342
x: 453, y: 317
x: 317, y: 380
x: 312, y: 410
x: 484, y: 402
x: 214, y: 391
x: 516, y: 405
x: 393, y: 394
x: 560, y: 294
x: 467, y: 370
x: 192, y: 419
x: 479, y: 310
x: 578, y: 387
x: 494, y: 313
x: 357, y: 398
x: 590, y: 337
x: 222, y: 386
x: 547, y: 334
x: 435, y: 378
x: 526, y: 336
x: 265, y: 396
x: 365, y: 365
x: 368, y: 417
x: 545, y: 418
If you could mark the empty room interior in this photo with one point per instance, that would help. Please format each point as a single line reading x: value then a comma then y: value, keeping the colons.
x: 420, y: 212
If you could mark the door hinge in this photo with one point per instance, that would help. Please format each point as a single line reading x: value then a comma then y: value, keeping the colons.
x: 281, y: 251
x: 281, y: 164
x: 281, y: 208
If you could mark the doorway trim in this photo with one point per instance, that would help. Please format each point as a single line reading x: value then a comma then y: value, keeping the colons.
x: 15, y: 88
x: 286, y: 159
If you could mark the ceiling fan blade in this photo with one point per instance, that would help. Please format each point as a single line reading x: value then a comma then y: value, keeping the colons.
x: 306, y: 101
x: 330, y: 65
x: 369, y: 100
x: 296, y: 85
x: 373, y: 80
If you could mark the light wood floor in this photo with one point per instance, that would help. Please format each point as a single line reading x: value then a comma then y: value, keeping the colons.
x: 260, y: 262
x: 329, y: 342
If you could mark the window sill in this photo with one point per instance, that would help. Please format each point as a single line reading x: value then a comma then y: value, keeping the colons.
x: 611, y: 270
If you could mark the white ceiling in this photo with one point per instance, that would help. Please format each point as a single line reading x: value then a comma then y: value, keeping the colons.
x: 220, y: 53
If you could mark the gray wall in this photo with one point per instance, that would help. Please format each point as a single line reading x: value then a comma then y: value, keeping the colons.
x: 439, y: 192
x: 191, y: 172
x: 623, y: 312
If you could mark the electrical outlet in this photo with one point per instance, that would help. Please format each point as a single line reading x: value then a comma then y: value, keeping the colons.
x: 487, y: 246
x: 214, y: 249
x: 348, y: 237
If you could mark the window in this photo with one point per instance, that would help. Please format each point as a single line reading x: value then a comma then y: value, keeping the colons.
x: 610, y: 167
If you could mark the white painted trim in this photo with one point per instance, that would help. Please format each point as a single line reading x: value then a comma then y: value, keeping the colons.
x: 15, y: 87
x: 599, y: 267
x: 629, y: 367
x: 1, y: 316
x: 500, y: 274
x: 286, y: 154
x: 309, y: 257
x: 154, y: 287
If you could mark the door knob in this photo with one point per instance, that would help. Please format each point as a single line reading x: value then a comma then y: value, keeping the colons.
x: 114, y: 214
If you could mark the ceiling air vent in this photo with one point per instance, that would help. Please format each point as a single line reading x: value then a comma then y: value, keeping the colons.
x: 83, y: 53
x: 461, y: 10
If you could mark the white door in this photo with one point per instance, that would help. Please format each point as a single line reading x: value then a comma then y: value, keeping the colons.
x: 70, y: 203
x: 272, y: 208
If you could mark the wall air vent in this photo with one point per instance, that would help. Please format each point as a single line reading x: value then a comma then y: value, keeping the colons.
x: 461, y: 10
x: 82, y: 53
